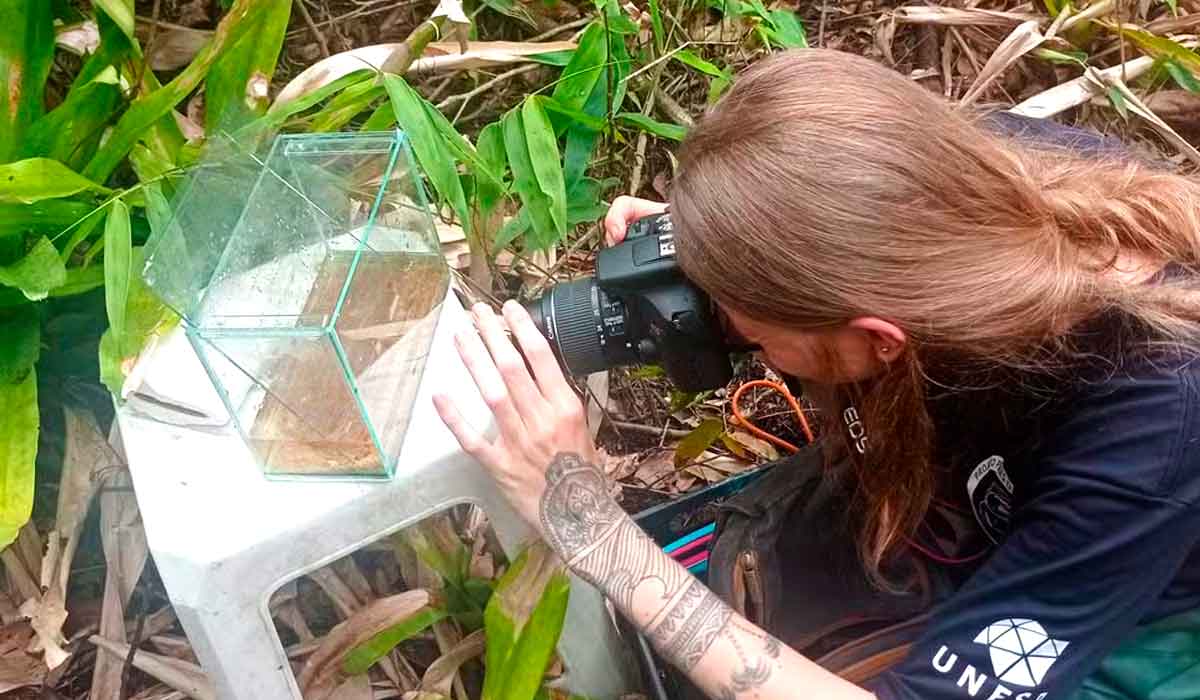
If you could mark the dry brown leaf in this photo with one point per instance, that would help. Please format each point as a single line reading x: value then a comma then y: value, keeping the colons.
x: 81, y: 38
x: 441, y: 673
x: 354, y: 688
x: 174, y: 46
x: 1075, y: 92
x: 18, y: 669
x: 656, y: 469
x: 125, y: 550
x: 1136, y: 106
x: 756, y: 445
x: 180, y: 675
x: 971, y: 17
x: 320, y: 674
x: 1025, y: 38
x: 438, y: 57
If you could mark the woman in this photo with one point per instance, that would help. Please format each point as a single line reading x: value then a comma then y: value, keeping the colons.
x: 991, y: 308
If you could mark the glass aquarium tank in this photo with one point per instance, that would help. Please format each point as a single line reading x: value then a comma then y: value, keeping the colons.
x: 310, y: 280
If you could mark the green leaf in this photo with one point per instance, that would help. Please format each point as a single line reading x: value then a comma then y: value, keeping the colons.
x: 552, y: 58
x: 490, y: 147
x: 1183, y: 77
x: 546, y: 161
x: 51, y: 215
x: 691, y: 60
x: 144, y: 315
x: 641, y: 121
x: 34, y: 179
x: 620, y: 64
x: 581, y: 140
x: 362, y: 657
x: 120, y: 12
x: 152, y: 107
x: 585, y: 68
x: 279, y: 112
x: 648, y: 372
x: 115, y: 49
x: 785, y: 29
x: 71, y: 131
x: 656, y: 24
x: 118, y: 259
x: 37, y: 273
x: 512, y: 229
x: 1054, y: 6
x: 22, y: 334
x: 345, y: 107
x: 579, y: 117
x: 19, y: 422
x: 1074, y: 58
x: 696, y: 442
x: 26, y: 53
x: 431, y: 151
x: 461, y: 147
x: 521, y: 634
x: 381, y: 119
x: 1118, y: 102
x: 536, y: 203
x: 1161, y: 47
x: 236, y: 88
x: 538, y: 638
x: 1174, y: 5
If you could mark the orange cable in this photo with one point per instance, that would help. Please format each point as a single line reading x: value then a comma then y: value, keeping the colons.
x: 759, y: 432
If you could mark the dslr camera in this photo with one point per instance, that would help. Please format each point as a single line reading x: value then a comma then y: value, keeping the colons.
x: 637, y: 309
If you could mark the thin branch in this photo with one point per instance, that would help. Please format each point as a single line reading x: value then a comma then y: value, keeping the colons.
x: 488, y: 85
x: 303, y: 4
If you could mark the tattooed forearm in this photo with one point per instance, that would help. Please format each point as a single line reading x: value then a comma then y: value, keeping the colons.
x: 682, y: 618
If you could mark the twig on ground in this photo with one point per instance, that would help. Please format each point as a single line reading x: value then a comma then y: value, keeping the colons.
x: 560, y: 29
x: 464, y: 97
x: 312, y: 26
x: 648, y: 429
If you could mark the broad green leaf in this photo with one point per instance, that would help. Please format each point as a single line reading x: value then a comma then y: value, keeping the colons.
x: 785, y: 29
x: 37, y: 273
x: 19, y: 423
x: 152, y: 107
x: 620, y: 64
x: 71, y: 131
x: 696, y: 442
x: 585, y: 68
x: 81, y: 232
x: 538, y: 638
x: 381, y: 119
x: 352, y: 102
x: 431, y: 151
x: 1183, y: 77
x: 546, y: 161
x: 279, y: 112
x: 22, y: 333
x: 236, y: 88
x: 690, y: 59
x: 115, y: 48
x: 49, y: 216
x: 511, y: 9
x: 579, y: 117
x: 581, y: 140
x: 34, y: 179
x: 361, y: 658
x: 583, y: 201
x: 490, y: 147
x: 80, y: 280
x: 1161, y: 47
x: 512, y: 229
x: 621, y: 24
x: 717, y: 87
x: 461, y: 147
x: 641, y: 121
x: 26, y: 52
x: 120, y: 12
x: 118, y: 259
x: 536, y: 203
x: 145, y: 316
x: 1054, y: 6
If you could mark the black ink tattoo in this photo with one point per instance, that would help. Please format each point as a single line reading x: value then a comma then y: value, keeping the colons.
x: 601, y: 544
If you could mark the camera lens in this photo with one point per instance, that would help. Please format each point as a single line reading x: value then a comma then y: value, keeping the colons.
x: 569, y: 316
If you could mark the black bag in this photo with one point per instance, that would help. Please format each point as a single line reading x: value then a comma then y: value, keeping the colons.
x: 784, y: 557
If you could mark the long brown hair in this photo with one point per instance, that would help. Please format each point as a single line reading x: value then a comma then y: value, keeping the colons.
x: 824, y: 187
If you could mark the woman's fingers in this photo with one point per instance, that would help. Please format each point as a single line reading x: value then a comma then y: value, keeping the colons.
x: 472, y: 442
x: 510, y: 364
x: 624, y: 211
x: 550, y: 379
x: 491, y: 385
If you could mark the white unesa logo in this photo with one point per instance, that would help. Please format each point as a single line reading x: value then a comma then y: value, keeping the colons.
x: 1020, y: 650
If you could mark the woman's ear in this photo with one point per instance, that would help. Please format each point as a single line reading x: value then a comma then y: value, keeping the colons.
x: 886, y: 339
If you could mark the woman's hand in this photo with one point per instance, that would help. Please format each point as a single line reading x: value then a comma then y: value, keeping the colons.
x: 624, y: 211
x: 538, y: 416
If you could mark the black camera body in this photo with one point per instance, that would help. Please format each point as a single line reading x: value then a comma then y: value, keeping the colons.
x: 639, y: 308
